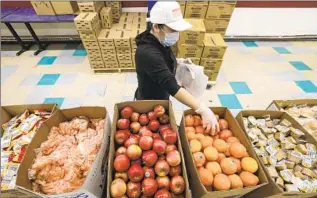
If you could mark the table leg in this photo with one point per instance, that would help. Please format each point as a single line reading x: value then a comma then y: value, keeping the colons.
x: 24, y: 47
x: 42, y: 47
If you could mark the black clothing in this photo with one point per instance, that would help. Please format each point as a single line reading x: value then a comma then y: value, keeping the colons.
x: 155, y: 67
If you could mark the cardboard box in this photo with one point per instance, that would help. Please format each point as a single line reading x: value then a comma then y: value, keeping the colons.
x: 106, y: 52
x: 111, y: 65
x: 124, y: 57
x: 86, y: 20
x: 195, y: 35
x: 113, y: 4
x: 43, y: 8
x: 90, y: 35
x: 215, y: 46
x: 91, y: 44
x: 64, y: 7
x: 91, y: 6
x: 106, y: 17
x: 126, y: 19
x: 196, y: 61
x: 97, y: 64
x: 210, y: 63
x: 121, y: 38
x: 216, y: 25
x: 198, y: 190
x: 116, y: 9
x: 134, y: 34
x: 143, y: 107
x: 94, y: 57
x: 126, y: 64
x: 93, y: 185
x: 188, y: 51
x: 211, y: 74
x: 220, y: 10
x: 278, y: 105
x: 124, y: 26
x: 182, y: 4
x: 272, y: 188
x: 105, y: 40
x: 109, y: 57
x: 196, y: 9
x: 123, y: 50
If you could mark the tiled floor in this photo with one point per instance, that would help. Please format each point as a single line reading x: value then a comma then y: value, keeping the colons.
x: 252, y: 75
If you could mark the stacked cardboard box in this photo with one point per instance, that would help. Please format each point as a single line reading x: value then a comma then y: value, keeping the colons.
x: 91, y: 6
x: 183, y: 6
x: 196, y: 9
x: 108, y: 49
x: 106, y: 17
x: 116, y: 9
x: 52, y: 7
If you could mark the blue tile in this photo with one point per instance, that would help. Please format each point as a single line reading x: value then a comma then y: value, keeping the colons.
x: 299, y: 65
x: 229, y: 100
x: 250, y: 44
x: 31, y: 79
x: 47, y: 60
x: 69, y: 60
x: 48, y: 79
x: 240, y: 88
x: 6, y: 71
x: 58, y: 101
x: 307, y: 86
x: 67, y: 79
x: 80, y: 52
x: 281, y: 50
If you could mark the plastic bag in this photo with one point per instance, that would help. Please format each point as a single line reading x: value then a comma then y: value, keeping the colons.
x: 191, y: 77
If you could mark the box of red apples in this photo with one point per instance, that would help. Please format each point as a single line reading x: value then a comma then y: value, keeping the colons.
x: 146, y: 156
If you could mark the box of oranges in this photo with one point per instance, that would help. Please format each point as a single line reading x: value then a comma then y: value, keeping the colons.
x: 219, y: 164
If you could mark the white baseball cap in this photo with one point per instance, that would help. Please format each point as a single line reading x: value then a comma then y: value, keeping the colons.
x: 169, y: 13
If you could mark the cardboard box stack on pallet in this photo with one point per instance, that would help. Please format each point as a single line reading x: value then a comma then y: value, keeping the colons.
x: 116, y: 9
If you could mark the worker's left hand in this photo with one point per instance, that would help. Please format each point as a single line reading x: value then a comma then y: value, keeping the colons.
x: 209, y: 120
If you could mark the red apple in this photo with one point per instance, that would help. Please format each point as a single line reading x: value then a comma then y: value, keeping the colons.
x: 121, y: 136
x: 123, y: 176
x: 162, y: 168
x: 121, y: 151
x: 151, y: 115
x: 173, y: 158
x: 154, y: 125
x: 123, y: 123
x: 121, y: 163
x: 118, y: 188
x: 170, y: 147
x: 126, y: 112
x: 163, y: 182
x: 134, y: 189
x: 148, y: 172
x: 145, y: 131
x: 177, y: 184
x: 143, y: 119
x: 162, y: 157
x: 159, y: 147
x: 159, y: 110
x: 149, y: 187
x: 134, y: 152
x: 156, y: 136
x: 135, y: 173
x: 135, y: 127
x: 130, y: 141
x: 135, y: 117
x: 136, y: 136
x: 169, y: 136
x: 163, y: 127
x: 146, y: 142
x: 137, y: 161
x: 162, y: 193
x: 175, y: 170
x: 149, y: 158
x: 164, y: 119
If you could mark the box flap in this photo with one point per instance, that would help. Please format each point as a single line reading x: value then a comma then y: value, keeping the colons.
x: 197, y: 25
x: 214, y: 40
x: 104, y: 34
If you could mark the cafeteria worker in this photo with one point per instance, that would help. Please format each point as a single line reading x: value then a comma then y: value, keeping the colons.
x: 156, y: 63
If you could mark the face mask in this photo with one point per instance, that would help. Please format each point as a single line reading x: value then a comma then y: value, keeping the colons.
x: 170, y: 38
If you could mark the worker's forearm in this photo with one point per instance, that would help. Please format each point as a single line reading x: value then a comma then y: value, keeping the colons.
x: 186, y: 98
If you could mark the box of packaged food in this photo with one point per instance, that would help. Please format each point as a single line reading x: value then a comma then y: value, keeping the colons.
x: 106, y: 17
x: 91, y: 6
x: 214, y: 46
x: 211, y: 64
x: 189, y: 51
x: 117, y: 181
x: 182, y: 4
x: 96, y: 64
x: 195, y: 35
x: 90, y: 44
x: 105, y: 40
x: 86, y: 21
x: 43, y: 8
x: 64, y: 7
x: 72, y: 144
x: 220, y: 9
x: 196, y: 9
x: 121, y: 38
x: 223, y: 164
x: 216, y: 25
x: 286, y: 150
x: 90, y: 35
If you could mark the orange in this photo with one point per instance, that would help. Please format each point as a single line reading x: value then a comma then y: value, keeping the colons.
x: 237, y: 150
x: 222, y: 182
x: 199, y: 159
x: 220, y: 145
x: 249, y: 164
x: 207, y: 141
x: 228, y: 166
x: 211, y: 153
x: 214, y: 167
x: 237, y: 162
x: 248, y: 179
x: 195, y: 146
x: 206, y: 176
x: 235, y: 181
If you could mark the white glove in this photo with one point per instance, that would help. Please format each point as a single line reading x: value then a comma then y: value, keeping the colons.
x: 209, y: 119
x: 184, y: 61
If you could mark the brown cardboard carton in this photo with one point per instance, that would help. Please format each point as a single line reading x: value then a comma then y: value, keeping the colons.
x: 211, y: 64
x: 121, y: 38
x: 43, y: 8
x: 215, y: 46
x: 223, y: 10
x: 196, y: 9
x: 126, y: 19
x: 86, y: 20
x: 196, y: 61
x: 96, y: 64
x: 272, y: 188
x: 198, y: 190
x: 90, y: 35
x: 143, y: 107
x: 217, y: 25
x: 64, y: 7
x: 182, y: 4
x: 91, y: 44
x: 188, y: 51
x: 212, y: 74
x: 90, y: 6
x: 277, y: 105
x: 93, y: 185
x: 195, y: 35
x: 105, y: 40
x: 106, y: 17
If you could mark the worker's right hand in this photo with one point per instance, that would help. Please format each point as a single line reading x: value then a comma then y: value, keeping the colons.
x: 209, y: 119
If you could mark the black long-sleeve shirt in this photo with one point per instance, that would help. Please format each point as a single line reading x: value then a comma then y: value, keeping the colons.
x: 155, y: 67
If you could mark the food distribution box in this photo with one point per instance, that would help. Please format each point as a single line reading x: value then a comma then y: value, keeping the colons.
x: 65, y: 7
x: 106, y: 17
x: 86, y: 21
x: 217, y: 25
x: 285, y: 147
x: 211, y: 64
x: 215, y: 46
x: 195, y: 35
x: 94, y: 182
x: 196, y: 9
x: 121, y: 38
x: 188, y: 51
x: 90, y: 35
x: 220, y: 9
x: 212, y: 74
x: 183, y: 6
x: 105, y: 40
x: 144, y: 107
x: 90, y: 6
x: 43, y: 8
x: 91, y: 44
x: 198, y: 189
x: 278, y: 105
